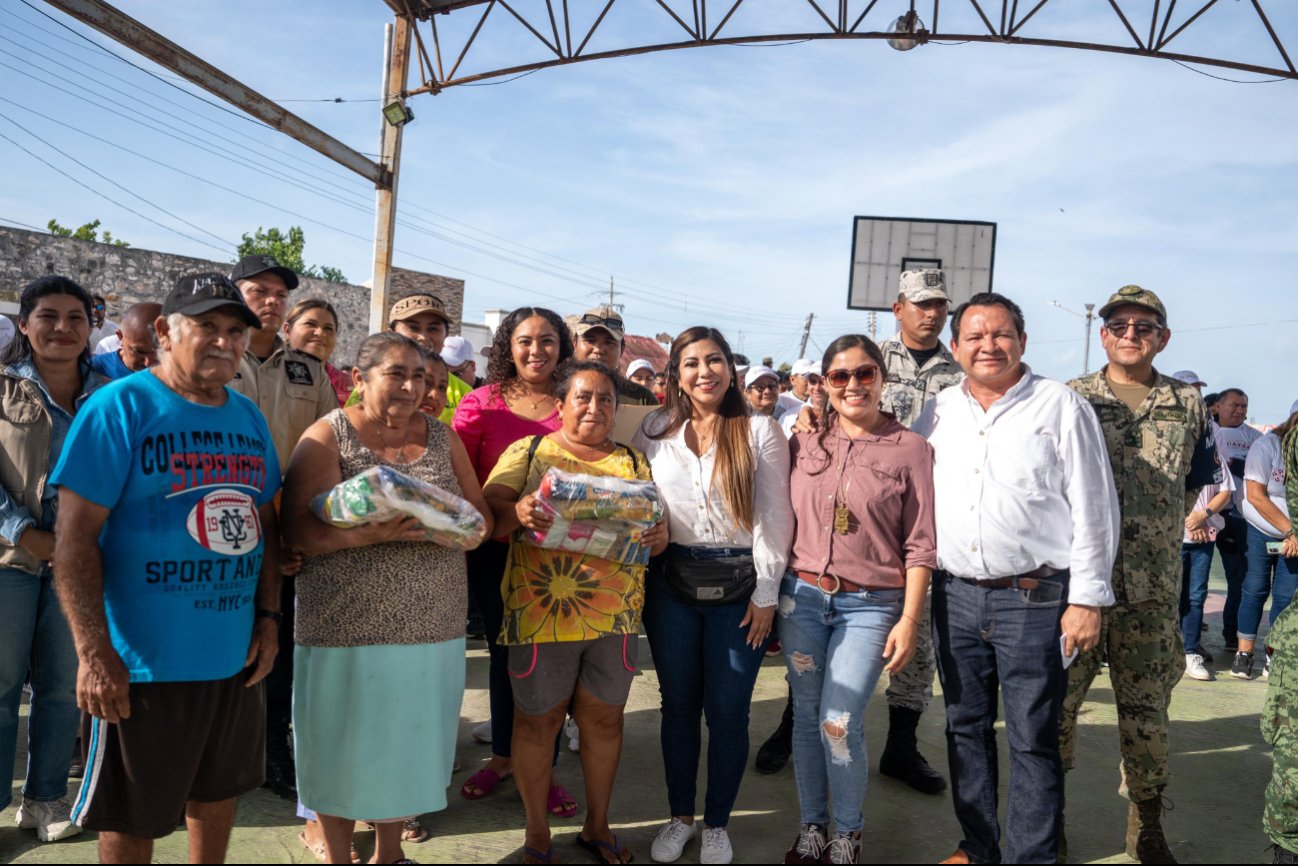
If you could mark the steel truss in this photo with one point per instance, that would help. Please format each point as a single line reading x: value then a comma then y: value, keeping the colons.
x: 1145, y: 28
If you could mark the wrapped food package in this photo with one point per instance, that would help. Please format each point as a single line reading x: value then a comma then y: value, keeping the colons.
x: 597, y: 515
x: 382, y: 493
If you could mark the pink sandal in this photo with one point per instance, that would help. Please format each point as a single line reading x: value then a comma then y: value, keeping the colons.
x: 560, y: 803
x: 484, y: 781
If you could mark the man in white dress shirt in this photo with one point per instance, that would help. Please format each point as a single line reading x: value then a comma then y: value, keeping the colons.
x: 1027, y: 525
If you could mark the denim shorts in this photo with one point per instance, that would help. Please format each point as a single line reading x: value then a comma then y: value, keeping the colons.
x: 545, y: 675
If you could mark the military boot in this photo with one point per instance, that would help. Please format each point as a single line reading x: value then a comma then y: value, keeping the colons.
x: 901, y: 758
x: 1283, y: 855
x: 1145, y: 840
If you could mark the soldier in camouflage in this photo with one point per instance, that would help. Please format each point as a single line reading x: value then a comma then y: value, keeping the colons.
x: 1161, y: 451
x: 1280, y: 729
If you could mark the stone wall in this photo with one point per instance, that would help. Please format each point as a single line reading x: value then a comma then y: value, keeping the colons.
x: 127, y: 275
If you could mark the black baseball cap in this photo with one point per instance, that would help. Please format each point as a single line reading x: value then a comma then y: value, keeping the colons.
x: 196, y: 294
x: 251, y: 266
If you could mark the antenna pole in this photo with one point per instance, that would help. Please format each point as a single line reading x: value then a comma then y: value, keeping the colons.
x: 806, y: 335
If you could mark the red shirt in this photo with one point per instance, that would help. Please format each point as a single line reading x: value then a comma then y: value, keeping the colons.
x: 488, y: 426
x: 886, y: 481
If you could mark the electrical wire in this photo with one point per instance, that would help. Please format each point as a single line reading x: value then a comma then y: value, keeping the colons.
x: 23, y: 224
x: 1228, y: 80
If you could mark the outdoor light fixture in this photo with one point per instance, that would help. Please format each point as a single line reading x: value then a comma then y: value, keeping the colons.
x: 911, y: 25
x: 397, y: 114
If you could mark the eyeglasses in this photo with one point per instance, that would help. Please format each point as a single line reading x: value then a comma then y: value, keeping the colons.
x: 604, y: 321
x: 764, y: 386
x: 1141, y: 329
x: 813, y: 379
x: 864, y: 375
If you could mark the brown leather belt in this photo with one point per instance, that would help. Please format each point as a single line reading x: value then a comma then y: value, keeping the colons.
x: 829, y: 584
x: 1030, y: 580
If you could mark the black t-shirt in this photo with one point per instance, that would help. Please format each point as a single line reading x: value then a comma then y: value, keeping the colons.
x: 922, y: 356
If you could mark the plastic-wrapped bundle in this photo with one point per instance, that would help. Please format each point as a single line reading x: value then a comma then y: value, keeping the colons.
x: 382, y: 493
x: 597, y: 515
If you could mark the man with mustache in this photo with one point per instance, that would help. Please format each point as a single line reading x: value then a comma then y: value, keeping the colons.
x: 167, y: 560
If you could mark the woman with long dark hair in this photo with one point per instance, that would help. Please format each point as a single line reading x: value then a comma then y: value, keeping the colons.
x: 45, y: 378
x: 710, y: 600
x: 863, y: 553
x: 515, y: 403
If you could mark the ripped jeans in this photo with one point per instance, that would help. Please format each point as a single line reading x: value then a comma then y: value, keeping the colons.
x: 833, y: 646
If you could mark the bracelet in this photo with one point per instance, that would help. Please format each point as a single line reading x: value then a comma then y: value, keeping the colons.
x: 1289, y: 534
x: 271, y: 615
x: 911, y: 618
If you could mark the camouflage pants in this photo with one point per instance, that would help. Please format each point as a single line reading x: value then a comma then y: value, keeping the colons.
x: 911, y: 688
x: 1146, y: 660
x: 1280, y: 729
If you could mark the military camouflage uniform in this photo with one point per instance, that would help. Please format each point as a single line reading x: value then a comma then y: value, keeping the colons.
x: 1160, y: 456
x: 907, y: 390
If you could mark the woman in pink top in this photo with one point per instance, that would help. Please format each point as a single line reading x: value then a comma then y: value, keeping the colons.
x: 864, y: 549
x: 515, y: 403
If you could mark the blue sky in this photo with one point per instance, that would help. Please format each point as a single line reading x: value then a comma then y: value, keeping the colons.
x: 718, y: 185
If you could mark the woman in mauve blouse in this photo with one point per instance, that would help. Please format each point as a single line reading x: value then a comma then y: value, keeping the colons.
x: 864, y: 549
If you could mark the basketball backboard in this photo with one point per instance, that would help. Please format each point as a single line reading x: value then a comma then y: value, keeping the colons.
x: 883, y: 247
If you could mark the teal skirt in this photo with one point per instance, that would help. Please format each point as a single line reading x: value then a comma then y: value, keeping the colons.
x: 374, y: 727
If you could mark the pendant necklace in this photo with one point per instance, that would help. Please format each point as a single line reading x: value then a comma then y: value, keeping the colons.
x: 842, y: 514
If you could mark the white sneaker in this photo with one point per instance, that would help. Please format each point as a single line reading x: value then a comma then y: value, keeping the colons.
x: 670, y: 842
x: 573, y: 733
x: 1194, y: 668
x: 482, y: 733
x: 716, y: 846
x: 51, y: 820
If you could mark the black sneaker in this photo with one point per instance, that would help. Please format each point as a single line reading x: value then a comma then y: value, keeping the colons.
x: 1242, y: 666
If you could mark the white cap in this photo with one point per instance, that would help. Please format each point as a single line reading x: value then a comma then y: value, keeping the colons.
x: 1189, y: 377
x: 804, y: 366
x: 759, y: 371
x: 456, y: 351
x: 741, y: 370
x: 637, y: 365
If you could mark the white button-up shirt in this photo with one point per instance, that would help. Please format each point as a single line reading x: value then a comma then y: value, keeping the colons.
x: 697, y: 512
x: 1022, y: 485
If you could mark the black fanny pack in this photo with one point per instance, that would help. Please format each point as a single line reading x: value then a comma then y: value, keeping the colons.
x: 709, y: 581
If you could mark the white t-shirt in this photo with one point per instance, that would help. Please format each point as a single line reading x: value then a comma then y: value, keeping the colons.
x: 107, y: 345
x: 1233, y: 444
x: 1216, y: 523
x: 107, y: 329
x: 1265, y: 465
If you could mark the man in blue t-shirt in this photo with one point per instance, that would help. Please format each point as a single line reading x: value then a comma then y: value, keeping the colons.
x: 137, y: 344
x: 167, y: 558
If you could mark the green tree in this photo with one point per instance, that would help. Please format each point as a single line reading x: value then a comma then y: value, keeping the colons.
x: 287, y: 248
x: 87, y: 232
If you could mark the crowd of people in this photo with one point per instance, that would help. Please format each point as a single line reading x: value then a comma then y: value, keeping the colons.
x: 191, y: 627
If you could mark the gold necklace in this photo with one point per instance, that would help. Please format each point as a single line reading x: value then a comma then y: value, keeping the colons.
x: 523, y: 395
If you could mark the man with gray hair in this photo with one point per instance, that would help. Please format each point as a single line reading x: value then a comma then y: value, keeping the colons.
x: 167, y: 560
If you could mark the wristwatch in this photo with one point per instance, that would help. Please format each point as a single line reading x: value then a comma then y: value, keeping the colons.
x: 271, y: 614
x: 1209, y: 512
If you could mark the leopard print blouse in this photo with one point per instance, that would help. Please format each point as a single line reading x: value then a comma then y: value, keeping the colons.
x: 391, y: 593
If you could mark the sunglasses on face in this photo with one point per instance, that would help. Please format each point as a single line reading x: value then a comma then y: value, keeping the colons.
x: 99, y: 308
x: 607, y: 322
x: 764, y: 386
x: 1140, y: 329
x: 864, y: 375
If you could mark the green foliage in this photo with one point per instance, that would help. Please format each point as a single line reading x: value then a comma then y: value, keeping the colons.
x: 287, y: 250
x: 87, y: 232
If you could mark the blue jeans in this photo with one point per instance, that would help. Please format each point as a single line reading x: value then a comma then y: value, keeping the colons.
x: 1259, y: 583
x: 34, y: 637
x: 1196, y: 563
x: 705, y: 669
x: 985, y: 638
x: 833, y: 645
x: 1232, y: 543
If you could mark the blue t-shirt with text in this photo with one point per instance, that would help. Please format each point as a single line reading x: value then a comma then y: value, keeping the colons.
x: 182, y: 546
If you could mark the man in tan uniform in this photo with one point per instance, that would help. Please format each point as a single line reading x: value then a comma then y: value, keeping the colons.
x: 292, y: 390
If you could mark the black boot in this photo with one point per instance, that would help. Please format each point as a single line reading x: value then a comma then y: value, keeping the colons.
x: 901, y: 758
x: 774, y: 753
x: 281, y: 774
x: 1283, y: 855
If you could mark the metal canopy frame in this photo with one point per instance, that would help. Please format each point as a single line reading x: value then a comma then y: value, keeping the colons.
x: 1144, y: 33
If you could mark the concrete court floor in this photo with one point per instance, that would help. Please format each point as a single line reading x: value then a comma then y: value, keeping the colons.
x: 1219, y: 763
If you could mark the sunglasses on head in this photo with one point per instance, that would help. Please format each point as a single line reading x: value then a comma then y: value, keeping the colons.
x: 1141, y: 329
x: 864, y: 375
x: 607, y: 322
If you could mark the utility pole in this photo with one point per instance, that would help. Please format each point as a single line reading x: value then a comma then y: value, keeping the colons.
x: 806, y: 335
x: 874, y: 325
x: 396, y: 64
x: 1089, y: 317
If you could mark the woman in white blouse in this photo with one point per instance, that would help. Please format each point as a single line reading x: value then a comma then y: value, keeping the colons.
x: 710, y: 600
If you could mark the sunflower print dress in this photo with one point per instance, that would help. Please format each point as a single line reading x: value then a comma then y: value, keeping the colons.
x: 552, y: 596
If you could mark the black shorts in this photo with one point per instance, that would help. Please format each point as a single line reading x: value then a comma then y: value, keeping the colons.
x: 200, y: 741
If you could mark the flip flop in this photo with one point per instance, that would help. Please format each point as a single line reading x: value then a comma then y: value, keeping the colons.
x: 538, y: 856
x: 413, y: 831
x: 318, y: 849
x: 560, y: 803
x: 484, y: 780
x: 598, y: 848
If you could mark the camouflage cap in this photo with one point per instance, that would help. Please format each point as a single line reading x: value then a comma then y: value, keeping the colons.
x: 926, y: 284
x: 1133, y: 295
